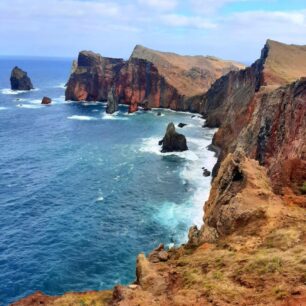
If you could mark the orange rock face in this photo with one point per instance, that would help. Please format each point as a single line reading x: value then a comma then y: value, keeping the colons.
x: 148, y: 79
x: 92, y: 78
x: 263, y: 117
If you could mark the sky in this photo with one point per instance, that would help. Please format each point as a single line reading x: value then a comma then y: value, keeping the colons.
x: 229, y: 29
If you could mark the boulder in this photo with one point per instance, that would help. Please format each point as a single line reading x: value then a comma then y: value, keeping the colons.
x: 20, y: 80
x: 181, y: 125
x: 46, y: 100
x: 173, y: 141
x: 206, y: 172
x: 112, y: 103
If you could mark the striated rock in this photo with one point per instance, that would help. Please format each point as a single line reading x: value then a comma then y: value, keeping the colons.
x: 257, y: 112
x: 112, y: 104
x: 148, y: 79
x: 92, y: 78
x: 165, y: 80
x: 190, y: 75
x: 173, y: 141
x: 46, y: 100
x: 20, y: 80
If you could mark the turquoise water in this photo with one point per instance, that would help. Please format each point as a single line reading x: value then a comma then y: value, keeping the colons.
x: 82, y: 192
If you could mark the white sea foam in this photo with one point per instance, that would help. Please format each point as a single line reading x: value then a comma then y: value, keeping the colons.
x: 93, y: 103
x: 61, y: 85
x: 3, y: 108
x: 82, y: 118
x: 8, y: 91
x: 100, y: 199
x: 170, y: 214
x: 113, y: 116
x: 33, y: 101
x: 29, y: 106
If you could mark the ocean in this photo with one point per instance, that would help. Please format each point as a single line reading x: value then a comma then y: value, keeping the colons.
x: 82, y: 192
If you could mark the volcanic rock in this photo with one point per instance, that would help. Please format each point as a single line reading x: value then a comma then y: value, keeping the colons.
x: 259, y: 110
x: 173, y: 141
x: 20, y: 80
x: 148, y: 79
x: 46, y: 100
x: 92, y: 78
x: 112, y: 104
x: 206, y: 172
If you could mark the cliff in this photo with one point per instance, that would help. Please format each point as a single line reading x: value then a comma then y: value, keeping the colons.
x: 92, y: 77
x: 149, y: 78
x: 264, y: 117
x: 251, y: 248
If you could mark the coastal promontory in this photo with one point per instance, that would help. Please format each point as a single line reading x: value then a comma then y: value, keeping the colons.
x: 148, y: 79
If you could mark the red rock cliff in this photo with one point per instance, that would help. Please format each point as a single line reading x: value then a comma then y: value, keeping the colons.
x: 149, y: 78
x: 259, y: 110
x: 92, y: 77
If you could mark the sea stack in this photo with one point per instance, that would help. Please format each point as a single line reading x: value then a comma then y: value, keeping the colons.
x: 173, y: 141
x: 112, y: 104
x: 20, y: 80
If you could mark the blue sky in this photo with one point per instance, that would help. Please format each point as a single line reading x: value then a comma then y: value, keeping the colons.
x: 230, y: 29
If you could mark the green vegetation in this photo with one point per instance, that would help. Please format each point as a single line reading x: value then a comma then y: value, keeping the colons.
x: 264, y: 265
x: 303, y: 188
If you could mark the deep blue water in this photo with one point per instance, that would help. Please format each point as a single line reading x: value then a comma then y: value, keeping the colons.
x: 82, y: 192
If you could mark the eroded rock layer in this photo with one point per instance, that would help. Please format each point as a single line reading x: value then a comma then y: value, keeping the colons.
x: 148, y: 79
x: 92, y: 78
x: 265, y: 119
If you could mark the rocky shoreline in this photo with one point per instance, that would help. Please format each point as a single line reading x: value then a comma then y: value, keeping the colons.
x: 251, y: 248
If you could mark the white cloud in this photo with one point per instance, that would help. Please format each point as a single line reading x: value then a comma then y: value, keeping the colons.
x: 208, y: 7
x: 259, y: 17
x: 175, y: 20
x: 160, y: 4
x: 63, y: 27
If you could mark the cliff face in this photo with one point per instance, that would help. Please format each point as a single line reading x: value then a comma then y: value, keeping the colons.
x: 265, y: 118
x: 139, y: 83
x: 148, y: 79
x: 92, y: 77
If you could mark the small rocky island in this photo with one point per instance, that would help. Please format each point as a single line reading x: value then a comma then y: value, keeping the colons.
x: 46, y: 101
x: 20, y: 80
x: 173, y: 141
